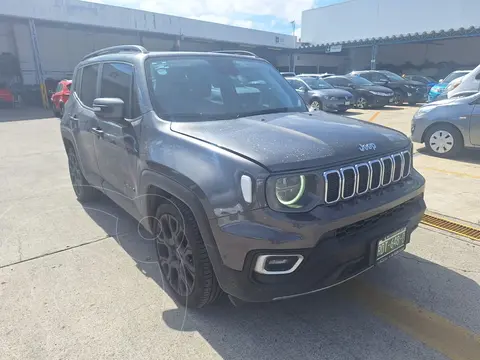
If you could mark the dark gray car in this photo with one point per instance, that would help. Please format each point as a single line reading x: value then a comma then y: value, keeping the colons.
x: 447, y: 126
x: 243, y: 191
x: 320, y: 95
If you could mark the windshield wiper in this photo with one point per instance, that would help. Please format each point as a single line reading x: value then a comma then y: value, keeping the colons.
x: 264, y: 112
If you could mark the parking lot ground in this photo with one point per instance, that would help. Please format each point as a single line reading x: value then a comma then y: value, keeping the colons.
x: 452, y: 184
x: 82, y: 283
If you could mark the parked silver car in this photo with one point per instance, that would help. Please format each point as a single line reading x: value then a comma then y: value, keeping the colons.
x: 447, y: 126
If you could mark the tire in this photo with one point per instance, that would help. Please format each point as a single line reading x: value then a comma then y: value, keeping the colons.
x: 446, y: 135
x: 361, y: 103
x: 182, y: 256
x: 62, y: 110
x: 56, y: 113
x: 398, y: 98
x: 316, y: 104
x: 83, y: 190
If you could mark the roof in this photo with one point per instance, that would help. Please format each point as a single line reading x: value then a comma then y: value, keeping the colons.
x: 401, y: 38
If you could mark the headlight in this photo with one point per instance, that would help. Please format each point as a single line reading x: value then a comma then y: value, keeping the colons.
x: 410, y: 86
x: 452, y: 86
x: 293, y: 193
x: 423, y: 110
x: 290, y: 189
x: 329, y: 97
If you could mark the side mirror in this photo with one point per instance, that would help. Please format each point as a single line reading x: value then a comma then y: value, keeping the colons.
x: 109, y: 108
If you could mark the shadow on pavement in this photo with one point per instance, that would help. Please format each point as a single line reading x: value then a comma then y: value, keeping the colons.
x: 21, y: 114
x: 326, y: 325
x: 471, y: 156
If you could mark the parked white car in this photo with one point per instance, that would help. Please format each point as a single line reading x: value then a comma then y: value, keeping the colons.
x: 466, y: 85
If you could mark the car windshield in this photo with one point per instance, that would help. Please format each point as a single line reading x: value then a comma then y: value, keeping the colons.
x: 454, y: 75
x: 358, y: 80
x: 317, y: 83
x: 392, y: 76
x: 197, y: 88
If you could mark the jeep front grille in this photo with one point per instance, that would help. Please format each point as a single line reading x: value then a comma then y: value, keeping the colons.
x: 361, y: 178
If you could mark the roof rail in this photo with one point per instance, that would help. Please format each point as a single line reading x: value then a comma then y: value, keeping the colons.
x: 236, y: 52
x: 117, y: 49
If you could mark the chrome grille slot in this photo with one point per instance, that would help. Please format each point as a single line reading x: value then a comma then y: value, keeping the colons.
x: 349, y: 180
x: 387, y: 163
x: 407, y: 158
x: 363, y: 178
x: 398, y: 167
x: 376, y: 168
x: 333, y: 186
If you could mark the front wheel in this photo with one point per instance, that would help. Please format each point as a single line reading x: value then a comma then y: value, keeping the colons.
x: 398, y: 98
x: 183, y: 257
x: 444, y: 140
x: 361, y: 103
x: 316, y: 105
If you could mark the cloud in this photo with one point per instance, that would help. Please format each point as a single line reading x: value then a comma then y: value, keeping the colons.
x: 231, y: 12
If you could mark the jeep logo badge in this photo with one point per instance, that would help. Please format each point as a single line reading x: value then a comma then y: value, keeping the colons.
x: 366, y: 147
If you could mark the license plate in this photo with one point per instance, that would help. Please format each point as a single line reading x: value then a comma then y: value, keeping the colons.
x: 347, y: 102
x: 391, y: 244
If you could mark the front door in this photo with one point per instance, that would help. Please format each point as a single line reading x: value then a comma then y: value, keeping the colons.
x: 116, y: 145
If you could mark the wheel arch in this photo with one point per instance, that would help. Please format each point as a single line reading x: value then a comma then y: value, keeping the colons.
x: 436, y: 124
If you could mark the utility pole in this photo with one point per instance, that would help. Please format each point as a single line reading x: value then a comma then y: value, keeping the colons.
x: 293, y: 27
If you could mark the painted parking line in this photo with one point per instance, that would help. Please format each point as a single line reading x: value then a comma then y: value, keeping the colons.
x: 461, y: 174
x: 438, y: 333
x: 374, y: 116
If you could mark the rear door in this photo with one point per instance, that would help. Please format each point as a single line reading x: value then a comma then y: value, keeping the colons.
x: 82, y: 120
x: 116, y: 145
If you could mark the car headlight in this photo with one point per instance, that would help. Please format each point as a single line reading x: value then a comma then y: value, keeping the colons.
x: 423, y: 110
x: 452, y: 86
x: 326, y: 97
x: 293, y: 193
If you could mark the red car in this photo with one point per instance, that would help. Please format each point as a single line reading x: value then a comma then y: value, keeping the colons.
x: 60, y: 97
x: 6, y: 97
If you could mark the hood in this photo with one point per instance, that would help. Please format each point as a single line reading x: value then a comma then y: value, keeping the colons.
x: 376, y: 88
x: 452, y: 101
x: 332, y: 92
x: 409, y: 82
x: 291, y: 141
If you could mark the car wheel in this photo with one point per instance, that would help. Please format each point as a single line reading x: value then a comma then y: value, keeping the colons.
x: 182, y: 256
x: 444, y: 140
x: 83, y: 190
x: 397, y: 98
x: 56, y: 113
x: 316, y: 105
x: 361, y: 103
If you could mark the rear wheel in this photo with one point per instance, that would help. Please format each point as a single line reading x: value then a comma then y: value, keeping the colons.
x: 182, y: 256
x: 56, y: 112
x: 444, y: 140
x: 83, y: 190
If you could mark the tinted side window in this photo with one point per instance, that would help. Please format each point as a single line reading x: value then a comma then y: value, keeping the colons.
x: 88, y: 89
x: 117, y: 82
x: 367, y: 76
x: 296, y: 84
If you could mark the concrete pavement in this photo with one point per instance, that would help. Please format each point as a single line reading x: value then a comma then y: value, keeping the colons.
x: 82, y: 283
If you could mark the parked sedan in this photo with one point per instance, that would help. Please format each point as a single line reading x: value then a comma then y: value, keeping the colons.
x: 447, y: 126
x: 320, y: 95
x: 404, y: 90
x: 366, y: 93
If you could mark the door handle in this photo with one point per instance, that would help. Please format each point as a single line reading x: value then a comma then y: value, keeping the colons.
x: 74, y: 117
x: 98, y: 132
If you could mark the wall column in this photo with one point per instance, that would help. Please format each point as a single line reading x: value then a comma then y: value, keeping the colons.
x: 373, y: 61
x: 38, y: 63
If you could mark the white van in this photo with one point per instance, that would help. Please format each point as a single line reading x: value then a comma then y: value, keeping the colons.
x: 469, y: 84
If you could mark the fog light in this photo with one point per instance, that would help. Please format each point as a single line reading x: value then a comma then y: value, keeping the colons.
x: 277, y: 264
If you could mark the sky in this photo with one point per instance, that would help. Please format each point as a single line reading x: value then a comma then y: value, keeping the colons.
x: 269, y: 15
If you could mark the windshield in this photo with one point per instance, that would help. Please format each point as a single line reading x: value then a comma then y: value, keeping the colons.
x: 358, y: 80
x: 454, y: 75
x: 217, y: 88
x: 392, y: 76
x: 317, y: 83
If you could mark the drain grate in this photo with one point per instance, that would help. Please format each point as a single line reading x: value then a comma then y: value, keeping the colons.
x: 453, y: 227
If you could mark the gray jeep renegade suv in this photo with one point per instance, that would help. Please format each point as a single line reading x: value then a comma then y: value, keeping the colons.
x: 244, y: 189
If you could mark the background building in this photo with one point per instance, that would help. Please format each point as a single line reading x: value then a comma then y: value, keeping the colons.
x: 432, y: 37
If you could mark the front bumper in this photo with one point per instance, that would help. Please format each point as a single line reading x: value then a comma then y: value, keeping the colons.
x: 337, y: 242
x: 377, y: 100
x: 417, y: 97
x: 338, y: 105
